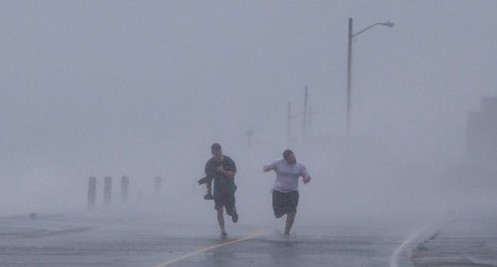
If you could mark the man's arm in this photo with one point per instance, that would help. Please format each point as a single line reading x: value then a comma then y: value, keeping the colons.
x: 271, y: 166
x: 267, y: 168
x: 230, y: 169
x: 227, y: 173
x: 209, y: 168
x: 305, y: 176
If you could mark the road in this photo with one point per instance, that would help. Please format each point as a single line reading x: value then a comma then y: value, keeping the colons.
x: 98, y: 240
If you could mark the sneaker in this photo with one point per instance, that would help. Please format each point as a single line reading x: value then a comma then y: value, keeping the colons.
x: 209, y: 196
x: 224, y: 235
x: 286, y: 235
x: 234, y: 217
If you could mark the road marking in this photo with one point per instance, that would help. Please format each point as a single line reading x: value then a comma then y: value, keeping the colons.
x: 248, y: 237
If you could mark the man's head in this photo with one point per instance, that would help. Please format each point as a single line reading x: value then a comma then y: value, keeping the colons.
x: 289, y: 156
x: 216, y: 151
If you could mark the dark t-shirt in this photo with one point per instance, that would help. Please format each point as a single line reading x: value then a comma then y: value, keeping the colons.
x: 222, y: 183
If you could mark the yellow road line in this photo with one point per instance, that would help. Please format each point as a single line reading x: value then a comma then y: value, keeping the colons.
x: 170, y: 262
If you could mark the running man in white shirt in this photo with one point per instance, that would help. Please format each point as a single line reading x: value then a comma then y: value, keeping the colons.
x: 286, y: 186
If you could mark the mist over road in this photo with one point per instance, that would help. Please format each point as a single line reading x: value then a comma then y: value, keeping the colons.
x: 131, y: 240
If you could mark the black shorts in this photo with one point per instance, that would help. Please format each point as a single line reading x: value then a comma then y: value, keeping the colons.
x: 284, y: 203
x: 226, y: 200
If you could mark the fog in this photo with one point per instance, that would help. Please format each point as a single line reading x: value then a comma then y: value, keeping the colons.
x: 143, y: 88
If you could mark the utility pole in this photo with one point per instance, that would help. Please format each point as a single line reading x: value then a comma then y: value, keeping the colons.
x: 305, y: 114
x: 288, y: 121
x: 309, y: 121
x: 250, y: 134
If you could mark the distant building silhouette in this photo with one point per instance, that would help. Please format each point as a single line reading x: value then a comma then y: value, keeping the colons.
x: 481, y: 134
x: 480, y: 165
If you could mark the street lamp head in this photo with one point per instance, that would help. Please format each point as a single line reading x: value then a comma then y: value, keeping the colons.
x: 389, y: 24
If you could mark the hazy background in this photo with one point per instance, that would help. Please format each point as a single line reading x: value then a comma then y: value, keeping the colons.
x: 142, y: 88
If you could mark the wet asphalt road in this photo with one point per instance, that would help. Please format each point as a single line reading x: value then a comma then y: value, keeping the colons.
x: 89, y: 241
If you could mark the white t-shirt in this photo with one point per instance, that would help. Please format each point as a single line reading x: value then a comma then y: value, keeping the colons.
x: 287, y: 176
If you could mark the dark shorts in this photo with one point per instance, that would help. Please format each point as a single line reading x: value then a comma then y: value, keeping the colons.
x: 284, y: 203
x: 226, y: 200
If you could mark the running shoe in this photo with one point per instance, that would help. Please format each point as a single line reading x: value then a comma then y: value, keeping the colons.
x: 234, y: 217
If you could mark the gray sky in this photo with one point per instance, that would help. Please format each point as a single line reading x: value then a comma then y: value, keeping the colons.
x: 144, y: 87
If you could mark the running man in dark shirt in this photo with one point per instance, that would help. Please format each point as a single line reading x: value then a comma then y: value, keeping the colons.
x: 222, y: 169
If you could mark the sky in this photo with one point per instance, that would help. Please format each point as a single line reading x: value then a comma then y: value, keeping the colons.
x: 143, y: 88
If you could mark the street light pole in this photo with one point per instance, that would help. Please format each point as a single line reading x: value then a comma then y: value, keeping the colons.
x: 349, y: 75
x: 351, y: 36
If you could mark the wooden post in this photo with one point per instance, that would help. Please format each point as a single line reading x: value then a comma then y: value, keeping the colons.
x: 124, y: 188
x: 92, y: 192
x: 107, y: 190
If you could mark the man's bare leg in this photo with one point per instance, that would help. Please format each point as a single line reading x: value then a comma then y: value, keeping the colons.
x: 290, y: 218
x: 220, y: 221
